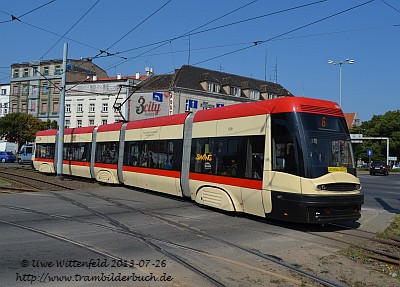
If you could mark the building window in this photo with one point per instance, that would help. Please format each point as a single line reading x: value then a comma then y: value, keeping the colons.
x: 103, y: 122
x: 23, y: 107
x: 57, y: 88
x: 105, y: 107
x: 15, y: 90
x: 79, y: 123
x: 80, y: 108
x: 57, y: 70
x: 3, y: 92
x: 187, y: 108
x: 213, y: 87
x: 92, y: 108
x: 35, y: 71
x: 235, y: 91
x: 45, y: 88
x: 44, y: 108
x: 26, y: 72
x: 56, y: 107
x: 14, y: 108
x: 68, y: 108
x: 16, y: 73
x: 67, y: 123
x: 5, y: 108
x: 46, y: 71
x: 35, y: 90
x: 25, y: 89
x: 91, y: 122
x: 254, y: 95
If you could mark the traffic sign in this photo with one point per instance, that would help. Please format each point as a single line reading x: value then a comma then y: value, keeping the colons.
x: 370, y: 152
x: 193, y: 104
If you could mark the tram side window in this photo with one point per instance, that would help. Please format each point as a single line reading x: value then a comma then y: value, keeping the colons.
x: 160, y: 154
x: 45, y: 150
x: 77, y: 151
x: 241, y: 157
x: 286, y: 154
x: 107, y: 152
x: 255, y: 157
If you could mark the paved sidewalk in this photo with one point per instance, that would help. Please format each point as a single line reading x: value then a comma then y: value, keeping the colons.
x: 375, y: 220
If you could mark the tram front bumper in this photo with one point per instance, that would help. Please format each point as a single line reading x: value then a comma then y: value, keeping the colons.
x: 316, y: 208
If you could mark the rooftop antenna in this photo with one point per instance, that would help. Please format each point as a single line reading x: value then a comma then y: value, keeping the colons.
x: 265, y: 62
x: 189, y: 52
x: 220, y: 67
x: 276, y: 71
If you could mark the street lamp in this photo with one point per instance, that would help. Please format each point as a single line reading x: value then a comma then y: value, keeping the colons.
x: 340, y: 63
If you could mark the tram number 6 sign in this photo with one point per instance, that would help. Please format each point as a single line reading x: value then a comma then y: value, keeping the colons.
x: 323, y: 122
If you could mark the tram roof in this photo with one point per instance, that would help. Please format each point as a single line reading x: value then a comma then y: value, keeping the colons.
x: 110, y: 127
x: 47, y: 133
x: 82, y: 130
x: 274, y: 106
x: 178, y: 119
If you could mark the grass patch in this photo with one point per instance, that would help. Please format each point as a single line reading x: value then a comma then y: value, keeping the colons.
x: 357, y: 254
x: 393, y: 229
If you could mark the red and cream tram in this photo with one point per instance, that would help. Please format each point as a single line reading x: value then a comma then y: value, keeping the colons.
x: 288, y: 158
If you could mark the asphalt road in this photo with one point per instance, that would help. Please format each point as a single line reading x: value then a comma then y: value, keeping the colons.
x: 381, y: 192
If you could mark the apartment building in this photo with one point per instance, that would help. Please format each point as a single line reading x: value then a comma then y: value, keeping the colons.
x: 192, y: 88
x: 4, y: 99
x: 93, y: 103
x: 36, y: 86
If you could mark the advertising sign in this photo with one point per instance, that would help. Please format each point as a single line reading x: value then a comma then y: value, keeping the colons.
x: 150, y: 105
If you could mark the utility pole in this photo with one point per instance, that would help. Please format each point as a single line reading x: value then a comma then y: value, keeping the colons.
x: 61, y: 119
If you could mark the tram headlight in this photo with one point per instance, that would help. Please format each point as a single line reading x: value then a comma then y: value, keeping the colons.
x: 358, y: 186
x: 321, y: 187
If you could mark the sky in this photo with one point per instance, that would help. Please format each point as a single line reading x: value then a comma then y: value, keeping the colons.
x: 285, y: 41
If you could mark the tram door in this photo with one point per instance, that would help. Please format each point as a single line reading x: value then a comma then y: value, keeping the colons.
x: 252, y: 194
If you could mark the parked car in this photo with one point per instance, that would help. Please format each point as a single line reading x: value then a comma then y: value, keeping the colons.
x: 378, y: 167
x: 396, y: 166
x: 7, y: 156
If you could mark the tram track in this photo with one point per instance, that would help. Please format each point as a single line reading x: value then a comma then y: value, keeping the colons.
x: 147, y: 239
x: 31, y: 183
x: 270, y: 258
x: 374, y: 253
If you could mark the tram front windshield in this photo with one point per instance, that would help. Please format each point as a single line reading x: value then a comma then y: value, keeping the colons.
x: 311, y: 145
x: 328, y: 145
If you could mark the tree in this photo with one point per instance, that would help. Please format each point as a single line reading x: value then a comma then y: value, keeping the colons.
x: 20, y: 127
x: 386, y: 125
x: 51, y: 125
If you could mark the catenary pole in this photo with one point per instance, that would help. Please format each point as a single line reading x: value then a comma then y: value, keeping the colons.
x: 61, y: 119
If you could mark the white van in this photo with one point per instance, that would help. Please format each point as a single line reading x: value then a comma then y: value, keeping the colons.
x: 25, y: 154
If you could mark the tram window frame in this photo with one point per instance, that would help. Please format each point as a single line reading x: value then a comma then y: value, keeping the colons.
x: 77, y: 151
x: 286, y: 154
x: 107, y: 152
x: 156, y: 154
x: 48, y: 148
x: 240, y: 157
